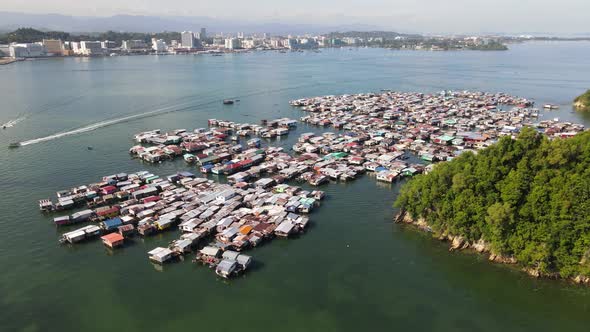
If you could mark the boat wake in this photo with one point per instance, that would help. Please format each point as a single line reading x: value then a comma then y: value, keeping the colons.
x: 12, y: 123
x: 168, y: 109
x: 107, y: 123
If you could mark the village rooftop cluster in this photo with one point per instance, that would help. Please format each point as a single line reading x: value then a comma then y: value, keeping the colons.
x: 390, y: 134
x: 437, y: 127
x: 232, y: 218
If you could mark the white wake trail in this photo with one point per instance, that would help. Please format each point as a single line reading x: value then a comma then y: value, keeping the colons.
x: 106, y: 123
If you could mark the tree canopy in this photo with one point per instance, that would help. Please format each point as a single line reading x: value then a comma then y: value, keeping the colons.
x: 30, y: 35
x: 582, y: 102
x: 528, y: 198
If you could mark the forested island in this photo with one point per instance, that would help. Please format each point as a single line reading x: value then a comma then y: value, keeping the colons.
x: 582, y: 103
x: 523, y: 201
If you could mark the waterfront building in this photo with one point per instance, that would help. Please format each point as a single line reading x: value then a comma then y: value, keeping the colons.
x: 203, y: 33
x: 107, y: 44
x: 306, y: 43
x: 134, y: 45
x: 91, y: 48
x: 27, y: 50
x: 159, y: 45
x: 290, y: 43
x: 352, y: 41
x: 53, y: 46
x: 218, y: 41
x: 174, y: 43
x: 336, y: 42
x: 233, y: 43
x: 187, y: 39
x: 276, y: 43
x: 4, y: 50
x: 251, y: 43
x: 74, y: 47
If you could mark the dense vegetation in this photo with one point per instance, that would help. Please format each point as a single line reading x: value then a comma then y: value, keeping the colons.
x: 583, y: 102
x: 491, y: 46
x: 29, y: 35
x: 528, y: 198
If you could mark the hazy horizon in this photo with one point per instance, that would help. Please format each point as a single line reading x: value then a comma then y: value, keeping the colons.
x: 425, y: 16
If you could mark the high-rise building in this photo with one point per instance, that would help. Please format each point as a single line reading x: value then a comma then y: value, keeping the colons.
x: 218, y: 41
x: 108, y: 44
x: 26, y: 50
x: 159, y: 45
x: 53, y: 46
x: 232, y: 43
x: 187, y: 39
x: 203, y: 34
x: 130, y: 45
x: 91, y: 48
x: 4, y: 50
x: 290, y: 43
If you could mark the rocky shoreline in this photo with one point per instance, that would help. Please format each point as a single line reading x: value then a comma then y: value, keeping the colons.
x: 579, y: 105
x: 481, y: 247
x: 582, y: 102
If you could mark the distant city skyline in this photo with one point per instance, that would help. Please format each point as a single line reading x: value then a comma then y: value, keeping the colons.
x: 427, y: 16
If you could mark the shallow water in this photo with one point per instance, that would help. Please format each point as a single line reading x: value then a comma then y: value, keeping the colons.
x: 352, y: 270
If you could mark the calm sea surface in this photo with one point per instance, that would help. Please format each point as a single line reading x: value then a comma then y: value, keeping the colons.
x: 353, y: 270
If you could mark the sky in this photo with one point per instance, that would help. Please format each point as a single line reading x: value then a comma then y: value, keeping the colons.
x: 427, y: 16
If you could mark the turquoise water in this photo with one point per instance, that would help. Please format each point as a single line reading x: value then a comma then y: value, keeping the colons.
x: 351, y: 271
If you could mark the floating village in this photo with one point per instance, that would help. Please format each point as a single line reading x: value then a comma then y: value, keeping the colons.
x: 391, y: 135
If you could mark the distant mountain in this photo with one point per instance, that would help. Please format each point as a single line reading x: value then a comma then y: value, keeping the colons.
x: 134, y: 23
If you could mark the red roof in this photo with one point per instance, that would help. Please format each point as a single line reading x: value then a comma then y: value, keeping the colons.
x: 109, y: 189
x: 174, y: 148
x: 114, y: 209
x: 151, y: 199
x: 113, y: 237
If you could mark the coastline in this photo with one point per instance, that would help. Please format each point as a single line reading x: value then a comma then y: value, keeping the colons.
x: 7, y: 61
x: 581, y: 107
x: 481, y: 247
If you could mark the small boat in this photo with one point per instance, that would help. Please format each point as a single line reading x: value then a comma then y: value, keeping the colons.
x: 189, y: 158
x: 254, y: 143
x: 90, y: 148
x: 45, y: 205
x: 205, y: 169
x: 14, y: 145
x: 228, y: 102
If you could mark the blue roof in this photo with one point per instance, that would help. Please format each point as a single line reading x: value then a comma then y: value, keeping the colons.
x: 380, y: 168
x: 112, y: 223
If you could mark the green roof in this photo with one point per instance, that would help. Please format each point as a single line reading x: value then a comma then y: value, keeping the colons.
x: 446, y: 138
